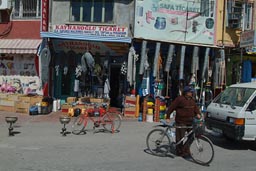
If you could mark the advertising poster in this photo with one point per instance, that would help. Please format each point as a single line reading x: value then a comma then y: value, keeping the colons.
x: 190, y: 21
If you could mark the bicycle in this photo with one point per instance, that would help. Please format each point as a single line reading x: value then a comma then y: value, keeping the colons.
x: 160, y: 142
x: 111, y: 122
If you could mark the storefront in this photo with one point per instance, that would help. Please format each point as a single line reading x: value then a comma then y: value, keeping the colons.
x: 83, y: 58
x: 19, y: 66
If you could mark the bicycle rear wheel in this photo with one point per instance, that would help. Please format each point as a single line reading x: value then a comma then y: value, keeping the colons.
x: 158, y: 142
x: 201, y: 150
x: 78, y: 125
x: 111, y: 122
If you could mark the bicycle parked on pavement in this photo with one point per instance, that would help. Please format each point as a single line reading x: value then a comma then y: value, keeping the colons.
x: 161, y: 141
x: 99, y: 116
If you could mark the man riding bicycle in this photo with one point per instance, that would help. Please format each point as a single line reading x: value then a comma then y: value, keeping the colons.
x: 186, y: 109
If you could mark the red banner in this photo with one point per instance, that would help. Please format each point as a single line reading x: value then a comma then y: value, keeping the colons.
x: 45, y: 15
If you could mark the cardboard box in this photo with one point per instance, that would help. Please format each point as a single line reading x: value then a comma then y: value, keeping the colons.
x: 3, y: 95
x: 130, y: 112
x: 22, y: 107
x: 7, y: 108
x: 96, y: 100
x: 13, y: 97
x: 24, y: 99
x: 84, y: 99
x: 35, y: 99
x: 4, y: 102
x: 71, y: 100
x: 130, y: 101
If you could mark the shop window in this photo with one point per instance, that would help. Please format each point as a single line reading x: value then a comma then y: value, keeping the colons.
x: 96, y: 11
x: 248, y: 16
x: 26, y: 9
x: 235, y: 11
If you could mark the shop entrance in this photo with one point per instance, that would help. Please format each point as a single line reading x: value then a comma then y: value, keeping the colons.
x: 115, y: 85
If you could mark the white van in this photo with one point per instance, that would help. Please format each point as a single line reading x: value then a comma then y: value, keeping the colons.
x: 233, y: 112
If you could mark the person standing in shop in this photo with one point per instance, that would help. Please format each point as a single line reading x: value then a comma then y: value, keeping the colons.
x: 186, y: 109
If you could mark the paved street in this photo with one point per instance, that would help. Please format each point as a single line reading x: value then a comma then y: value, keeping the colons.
x: 39, y: 146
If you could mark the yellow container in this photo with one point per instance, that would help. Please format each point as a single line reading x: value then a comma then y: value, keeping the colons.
x: 162, y: 107
x: 44, y: 104
x: 150, y: 111
x: 150, y: 104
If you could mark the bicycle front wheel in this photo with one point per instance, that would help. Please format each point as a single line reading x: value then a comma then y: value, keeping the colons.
x: 201, y: 150
x: 78, y: 125
x: 158, y: 142
x: 111, y: 122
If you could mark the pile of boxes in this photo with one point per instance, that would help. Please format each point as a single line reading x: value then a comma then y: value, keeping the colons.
x: 18, y: 103
x: 131, y: 106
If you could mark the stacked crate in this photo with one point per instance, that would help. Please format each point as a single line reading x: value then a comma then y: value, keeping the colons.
x: 130, y: 106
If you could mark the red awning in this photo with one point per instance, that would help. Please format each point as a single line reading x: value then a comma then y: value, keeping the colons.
x: 19, y: 46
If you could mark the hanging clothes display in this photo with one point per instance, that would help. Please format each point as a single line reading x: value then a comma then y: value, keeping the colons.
x: 247, y: 71
x: 222, y: 67
x: 156, y: 60
x: 143, y: 57
x: 106, y: 89
x: 182, y: 59
x: 206, y: 65
x: 131, y: 66
x: 169, y: 58
x: 195, y: 66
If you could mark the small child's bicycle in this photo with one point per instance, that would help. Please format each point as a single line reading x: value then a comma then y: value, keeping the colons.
x: 99, y: 116
x: 160, y: 142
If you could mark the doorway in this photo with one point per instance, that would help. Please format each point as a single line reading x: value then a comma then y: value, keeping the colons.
x: 115, y: 85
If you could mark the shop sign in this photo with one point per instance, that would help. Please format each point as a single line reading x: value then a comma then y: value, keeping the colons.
x: 111, y: 31
x: 176, y: 21
x: 248, y: 39
x: 45, y: 15
x: 81, y: 46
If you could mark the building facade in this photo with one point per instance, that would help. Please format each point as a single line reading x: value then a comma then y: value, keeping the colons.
x: 19, y: 42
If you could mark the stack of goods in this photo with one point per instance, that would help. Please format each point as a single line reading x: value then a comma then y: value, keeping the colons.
x: 150, y: 111
x: 130, y: 106
x: 162, y: 109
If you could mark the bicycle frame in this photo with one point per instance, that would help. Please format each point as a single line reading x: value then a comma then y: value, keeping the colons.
x: 186, y: 136
x: 97, y: 121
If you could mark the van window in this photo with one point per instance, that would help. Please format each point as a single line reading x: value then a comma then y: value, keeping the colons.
x: 252, y: 105
x: 234, y: 96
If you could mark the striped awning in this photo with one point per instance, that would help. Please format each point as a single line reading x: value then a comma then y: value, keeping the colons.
x: 19, y: 46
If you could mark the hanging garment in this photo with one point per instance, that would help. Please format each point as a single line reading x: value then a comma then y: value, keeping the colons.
x: 143, y: 57
x: 157, y: 54
x: 247, y: 71
x: 169, y: 58
x: 130, y: 65
x: 88, y: 58
x: 76, y: 86
x: 206, y: 64
x: 222, y: 67
x: 106, y: 88
x: 182, y: 58
x: 195, y: 61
